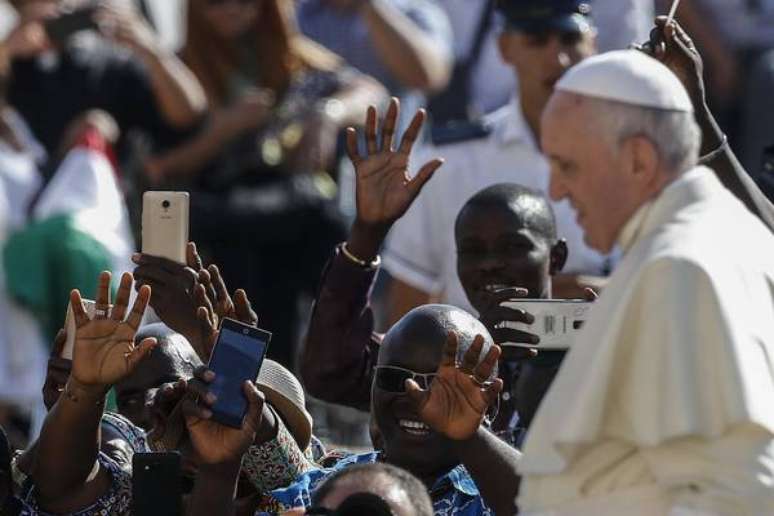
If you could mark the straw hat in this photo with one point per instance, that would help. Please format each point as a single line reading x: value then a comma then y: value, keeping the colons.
x: 283, y: 390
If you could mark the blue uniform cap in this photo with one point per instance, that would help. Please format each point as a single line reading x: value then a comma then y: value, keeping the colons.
x: 542, y: 15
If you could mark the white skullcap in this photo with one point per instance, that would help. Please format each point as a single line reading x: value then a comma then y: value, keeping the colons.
x: 627, y: 76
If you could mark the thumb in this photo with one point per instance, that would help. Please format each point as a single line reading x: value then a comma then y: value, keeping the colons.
x: 255, y: 401
x: 424, y: 175
x: 140, y: 352
x: 417, y: 396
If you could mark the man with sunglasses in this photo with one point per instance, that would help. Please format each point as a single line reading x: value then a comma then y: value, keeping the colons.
x: 540, y: 41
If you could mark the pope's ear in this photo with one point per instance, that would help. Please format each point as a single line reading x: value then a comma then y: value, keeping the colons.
x: 645, y: 158
x: 558, y: 257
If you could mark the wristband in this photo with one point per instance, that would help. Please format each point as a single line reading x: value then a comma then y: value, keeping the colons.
x: 366, y: 265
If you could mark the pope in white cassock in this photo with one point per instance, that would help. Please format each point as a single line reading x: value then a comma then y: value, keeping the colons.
x: 665, y: 404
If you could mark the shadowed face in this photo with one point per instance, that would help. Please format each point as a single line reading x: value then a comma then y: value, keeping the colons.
x: 232, y: 18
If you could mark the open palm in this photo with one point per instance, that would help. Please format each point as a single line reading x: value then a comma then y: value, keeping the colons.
x: 385, y: 190
x: 459, y: 396
x: 104, y: 351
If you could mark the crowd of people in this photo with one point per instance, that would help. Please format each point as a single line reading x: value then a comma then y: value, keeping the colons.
x: 386, y: 186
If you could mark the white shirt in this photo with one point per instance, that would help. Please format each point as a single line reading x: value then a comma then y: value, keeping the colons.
x: 666, y: 400
x: 421, y: 249
x: 492, y: 82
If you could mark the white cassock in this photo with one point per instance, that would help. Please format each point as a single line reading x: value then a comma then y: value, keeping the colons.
x: 665, y: 404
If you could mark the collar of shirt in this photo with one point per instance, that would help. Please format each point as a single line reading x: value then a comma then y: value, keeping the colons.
x: 643, y: 219
x: 509, y: 125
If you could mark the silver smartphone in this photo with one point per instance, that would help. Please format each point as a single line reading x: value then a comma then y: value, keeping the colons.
x: 557, y: 321
x: 165, y: 224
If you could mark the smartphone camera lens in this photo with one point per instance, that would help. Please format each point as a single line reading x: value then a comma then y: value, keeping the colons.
x: 165, y: 205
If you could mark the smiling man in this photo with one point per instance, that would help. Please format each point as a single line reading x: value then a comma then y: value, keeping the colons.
x: 663, y: 406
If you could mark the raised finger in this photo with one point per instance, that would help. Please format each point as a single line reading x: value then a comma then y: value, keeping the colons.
x: 370, y: 131
x: 103, y: 296
x: 255, y: 401
x: 122, y: 297
x: 388, y: 127
x: 484, y: 370
x: 193, y: 259
x: 138, y: 310
x: 499, y: 314
x: 412, y: 132
x: 220, y: 286
x: 59, y: 343
x: 243, y: 308
x: 352, y: 150
x: 140, y: 352
x: 424, y: 175
x: 470, y: 358
x: 450, y: 350
x: 79, y: 312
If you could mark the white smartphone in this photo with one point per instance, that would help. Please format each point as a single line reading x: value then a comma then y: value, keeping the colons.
x: 90, y: 306
x: 165, y: 224
x: 557, y: 321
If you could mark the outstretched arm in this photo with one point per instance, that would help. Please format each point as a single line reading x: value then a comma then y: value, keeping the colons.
x: 673, y: 47
x: 66, y: 471
x: 337, y: 359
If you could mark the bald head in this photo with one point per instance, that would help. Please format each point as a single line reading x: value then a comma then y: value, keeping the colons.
x: 403, y: 492
x: 425, y: 329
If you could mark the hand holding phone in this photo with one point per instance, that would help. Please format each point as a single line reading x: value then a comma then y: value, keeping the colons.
x: 165, y: 218
x: 60, y: 28
x: 556, y: 322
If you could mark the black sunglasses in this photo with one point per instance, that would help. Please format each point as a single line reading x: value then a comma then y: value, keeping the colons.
x: 393, y: 378
x: 358, y: 504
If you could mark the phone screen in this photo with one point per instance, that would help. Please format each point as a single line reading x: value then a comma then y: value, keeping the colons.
x: 237, y: 357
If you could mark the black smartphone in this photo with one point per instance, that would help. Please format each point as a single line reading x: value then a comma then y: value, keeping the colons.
x: 60, y: 29
x: 156, y: 484
x: 237, y: 356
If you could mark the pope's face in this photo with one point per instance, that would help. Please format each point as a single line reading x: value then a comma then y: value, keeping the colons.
x: 587, y: 170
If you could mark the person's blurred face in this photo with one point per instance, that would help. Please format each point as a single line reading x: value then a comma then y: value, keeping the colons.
x: 232, y: 18
x: 407, y: 441
x: 599, y: 180
x: 541, y: 58
x: 496, y: 249
x: 166, y: 364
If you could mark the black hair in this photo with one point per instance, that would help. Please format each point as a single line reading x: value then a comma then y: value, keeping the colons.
x: 530, y: 205
x: 414, y: 490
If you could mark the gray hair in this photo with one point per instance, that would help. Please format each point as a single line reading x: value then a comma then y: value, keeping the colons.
x: 675, y: 134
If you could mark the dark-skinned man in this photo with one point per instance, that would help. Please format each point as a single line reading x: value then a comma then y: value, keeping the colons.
x: 539, y: 41
x: 505, y: 236
x: 435, y: 381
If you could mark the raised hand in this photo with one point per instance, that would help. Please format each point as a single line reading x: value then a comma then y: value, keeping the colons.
x: 384, y: 188
x: 173, y: 286
x: 104, y: 351
x: 674, y: 48
x: 493, y: 316
x: 457, y: 400
x: 216, y: 443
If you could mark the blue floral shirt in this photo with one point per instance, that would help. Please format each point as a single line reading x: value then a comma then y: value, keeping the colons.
x: 454, y: 494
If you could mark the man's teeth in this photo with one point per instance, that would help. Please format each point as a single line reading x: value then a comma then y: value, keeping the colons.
x: 414, y: 427
x: 494, y: 288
